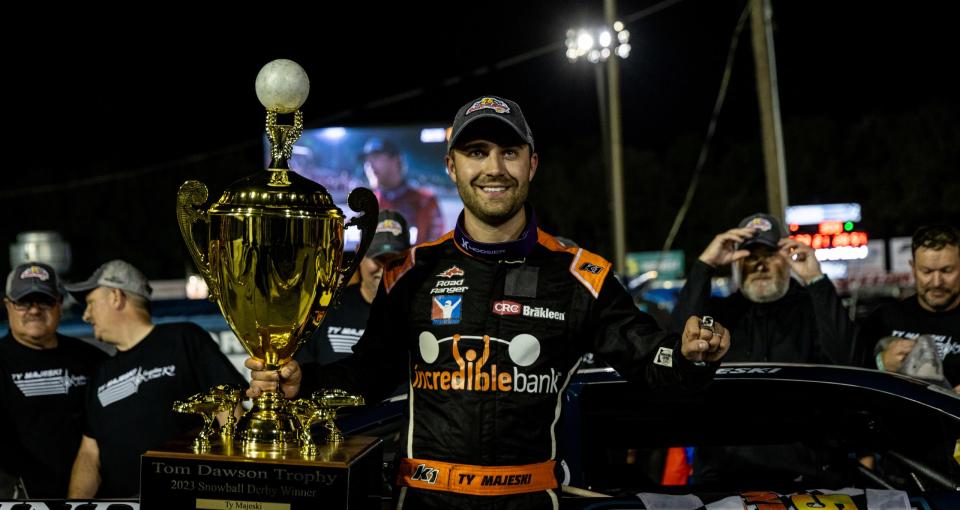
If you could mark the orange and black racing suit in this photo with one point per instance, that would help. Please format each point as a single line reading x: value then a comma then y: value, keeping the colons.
x: 488, y: 336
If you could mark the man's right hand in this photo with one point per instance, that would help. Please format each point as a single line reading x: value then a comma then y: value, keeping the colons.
x: 895, y: 352
x: 723, y: 249
x: 262, y: 380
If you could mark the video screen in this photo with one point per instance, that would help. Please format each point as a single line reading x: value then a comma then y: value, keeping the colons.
x: 403, y: 165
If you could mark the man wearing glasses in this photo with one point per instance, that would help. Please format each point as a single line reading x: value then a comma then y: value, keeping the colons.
x: 43, y: 379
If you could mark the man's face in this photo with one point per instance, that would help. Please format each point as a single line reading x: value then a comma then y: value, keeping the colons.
x: 765, y: 274
x: 386, y: 168
x: 937, y: 273
x: 34, y: 319
x: 371, y: 270
x: 97, y: 312
x: 493, y: 180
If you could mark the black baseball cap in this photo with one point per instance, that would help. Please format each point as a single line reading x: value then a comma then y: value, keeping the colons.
x: 768, y: 228
x: 490, y: 107
x: 32, y: 278
x: 391, y: 236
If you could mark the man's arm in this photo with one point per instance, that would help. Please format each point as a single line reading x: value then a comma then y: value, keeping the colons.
x: 721, y: 251
x: 632, y: 343
x: 835, y: 329
x: 693, y: 297
x: 85, y: 477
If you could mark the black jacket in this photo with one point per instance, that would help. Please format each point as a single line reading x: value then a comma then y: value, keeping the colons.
x: 807, y: 325
x: 487, y: 347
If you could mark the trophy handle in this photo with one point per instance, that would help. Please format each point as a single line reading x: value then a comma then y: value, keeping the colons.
x: 190, y: 200
x: 363, y: 201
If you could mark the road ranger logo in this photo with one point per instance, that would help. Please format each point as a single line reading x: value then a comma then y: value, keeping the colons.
x: 424, y: 473
x: 449, y: 287
x: 450, y: 273
x: 473, y: 373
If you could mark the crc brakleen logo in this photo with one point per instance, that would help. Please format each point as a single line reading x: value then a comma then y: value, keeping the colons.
x: 506, y: 307
x: 471, y: 354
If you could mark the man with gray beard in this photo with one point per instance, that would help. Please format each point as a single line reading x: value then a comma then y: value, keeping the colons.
x: 772, y: 317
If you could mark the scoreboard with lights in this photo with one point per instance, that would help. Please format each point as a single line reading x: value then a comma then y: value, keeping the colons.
x: 836, y: 238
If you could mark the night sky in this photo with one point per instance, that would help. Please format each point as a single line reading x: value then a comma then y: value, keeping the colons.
x: 108, y: 119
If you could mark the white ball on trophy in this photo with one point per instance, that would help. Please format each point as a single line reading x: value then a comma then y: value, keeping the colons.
x: 282, y: 86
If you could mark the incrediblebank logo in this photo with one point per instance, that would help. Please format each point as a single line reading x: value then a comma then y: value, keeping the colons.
x: 473, y: 373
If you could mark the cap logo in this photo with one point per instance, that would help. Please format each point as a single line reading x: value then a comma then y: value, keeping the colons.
x: 390, y: 227
x: 488, y: 103
x: 760, y: 223
x: 35, y: 272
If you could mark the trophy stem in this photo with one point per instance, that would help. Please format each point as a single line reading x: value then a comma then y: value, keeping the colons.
x: 282, y: 137
x: 268, y: 425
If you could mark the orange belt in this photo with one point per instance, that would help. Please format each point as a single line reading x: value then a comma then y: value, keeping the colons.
x: 476, y: 480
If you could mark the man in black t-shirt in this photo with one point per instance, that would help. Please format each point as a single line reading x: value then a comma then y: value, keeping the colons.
x: 933, y: 311
x: 344, y: 325
x: 43, y: 376
x: 130, y: 398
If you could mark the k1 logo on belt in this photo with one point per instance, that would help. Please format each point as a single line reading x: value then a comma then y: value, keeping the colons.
x: 477, y: 480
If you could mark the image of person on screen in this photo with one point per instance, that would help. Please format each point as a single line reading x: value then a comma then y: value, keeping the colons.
x: 386, y: 170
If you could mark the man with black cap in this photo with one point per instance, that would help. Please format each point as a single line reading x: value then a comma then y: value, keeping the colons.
x: 386, y: 171
x: 43, y: 377
x: 130, y: 398
x: 772, y: 317
x: 487, y: 325
x: 775, y: 318
x: 343, y: 326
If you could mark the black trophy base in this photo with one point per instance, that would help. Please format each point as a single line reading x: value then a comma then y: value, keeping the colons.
x: 344, y: 475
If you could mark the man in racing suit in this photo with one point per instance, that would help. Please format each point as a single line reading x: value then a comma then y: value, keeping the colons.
x: 488, y: 324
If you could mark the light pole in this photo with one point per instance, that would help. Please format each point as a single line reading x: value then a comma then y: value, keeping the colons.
x: 597, y: 45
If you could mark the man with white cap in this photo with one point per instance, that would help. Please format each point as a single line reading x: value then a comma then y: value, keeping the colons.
x: 130, y: 399
x: 43, y: 378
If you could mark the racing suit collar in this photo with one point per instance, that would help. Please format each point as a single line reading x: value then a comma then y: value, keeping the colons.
x: 510, y: 251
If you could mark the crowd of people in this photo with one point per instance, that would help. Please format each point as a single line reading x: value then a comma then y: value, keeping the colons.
x: 484, y: 326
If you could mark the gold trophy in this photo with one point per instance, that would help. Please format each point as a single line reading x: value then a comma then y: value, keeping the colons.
x: 272, y: 257
x: 271, y: 252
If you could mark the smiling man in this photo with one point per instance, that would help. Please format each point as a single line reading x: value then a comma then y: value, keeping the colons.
x: 773, y: 317
x: 934, y: 310
x: 43, y: 379
x: 487, y: 325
